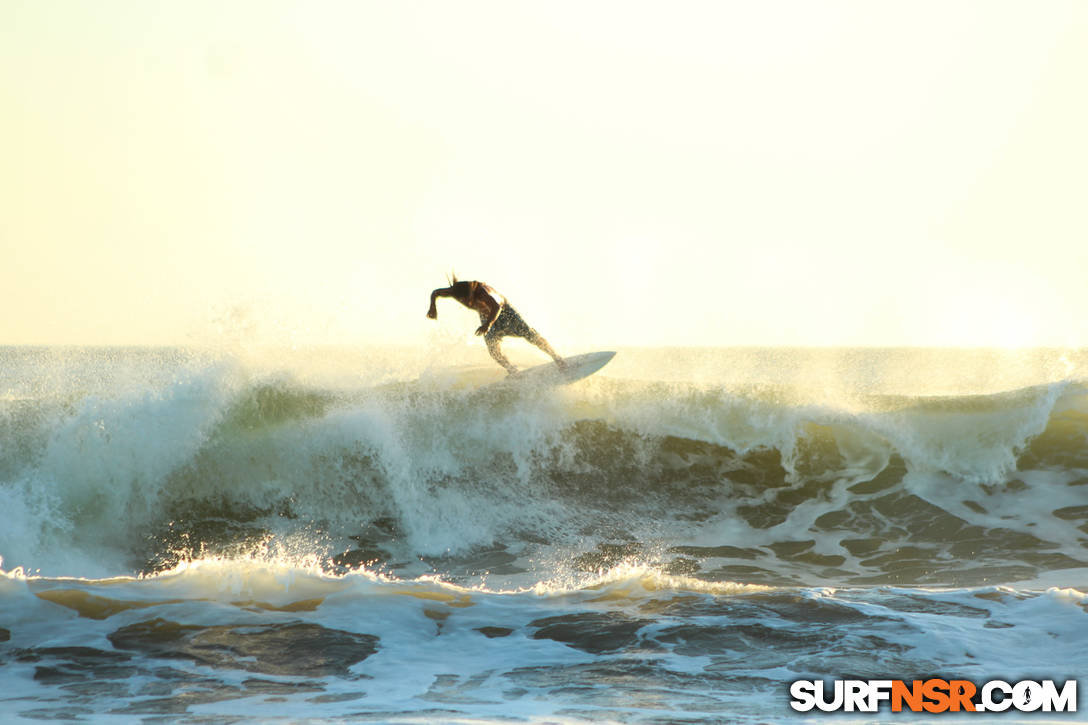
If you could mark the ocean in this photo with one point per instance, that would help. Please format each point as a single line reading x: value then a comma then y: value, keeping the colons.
x: 330, y: 534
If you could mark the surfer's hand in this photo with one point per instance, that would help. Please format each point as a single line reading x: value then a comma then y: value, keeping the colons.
x: 432, y: 313
x: 481, y: 330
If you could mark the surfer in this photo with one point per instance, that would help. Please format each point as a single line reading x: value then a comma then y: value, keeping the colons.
x: 497, y: 318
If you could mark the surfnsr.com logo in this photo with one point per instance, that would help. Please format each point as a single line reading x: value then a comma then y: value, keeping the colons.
x: 933, y: 695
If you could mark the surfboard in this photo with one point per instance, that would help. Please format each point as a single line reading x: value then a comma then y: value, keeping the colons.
x: 548, y: 374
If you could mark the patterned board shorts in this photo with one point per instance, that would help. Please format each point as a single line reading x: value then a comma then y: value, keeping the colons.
x: 509, y: 324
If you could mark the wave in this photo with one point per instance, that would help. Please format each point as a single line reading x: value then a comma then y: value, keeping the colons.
x: 228, y: 634
x: 765, y: 482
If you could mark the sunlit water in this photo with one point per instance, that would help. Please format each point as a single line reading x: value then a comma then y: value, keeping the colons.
x: 381, y: 535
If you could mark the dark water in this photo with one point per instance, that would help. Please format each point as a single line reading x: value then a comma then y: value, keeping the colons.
x: 373, y: 535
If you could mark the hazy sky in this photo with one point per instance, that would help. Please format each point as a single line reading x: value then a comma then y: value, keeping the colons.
x: 814, y: 173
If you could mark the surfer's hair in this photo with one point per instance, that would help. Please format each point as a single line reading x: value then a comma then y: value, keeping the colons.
x: 462, y: 290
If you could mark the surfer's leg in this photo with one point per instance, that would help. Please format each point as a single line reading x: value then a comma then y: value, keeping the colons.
x: 496, y: 352
x: 537, y: 339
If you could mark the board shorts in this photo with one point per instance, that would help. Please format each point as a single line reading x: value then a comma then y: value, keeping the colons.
x: 509, y: 324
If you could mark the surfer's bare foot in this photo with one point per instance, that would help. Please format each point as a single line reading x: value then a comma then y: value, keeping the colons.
x: 561, y: 363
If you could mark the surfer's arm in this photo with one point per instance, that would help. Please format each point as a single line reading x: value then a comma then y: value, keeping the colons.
x: 432, y: 312
x: 493, y: 308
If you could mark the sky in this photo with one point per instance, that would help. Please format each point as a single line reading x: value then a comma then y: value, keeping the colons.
x: 720, y: 173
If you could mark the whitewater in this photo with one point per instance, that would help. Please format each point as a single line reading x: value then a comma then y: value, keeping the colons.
x: 328, y: 534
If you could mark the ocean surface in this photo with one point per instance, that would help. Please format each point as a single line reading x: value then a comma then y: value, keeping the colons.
x: 214, y: 536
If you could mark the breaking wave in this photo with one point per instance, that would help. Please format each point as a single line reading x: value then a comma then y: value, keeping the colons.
x: 757, y: 483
